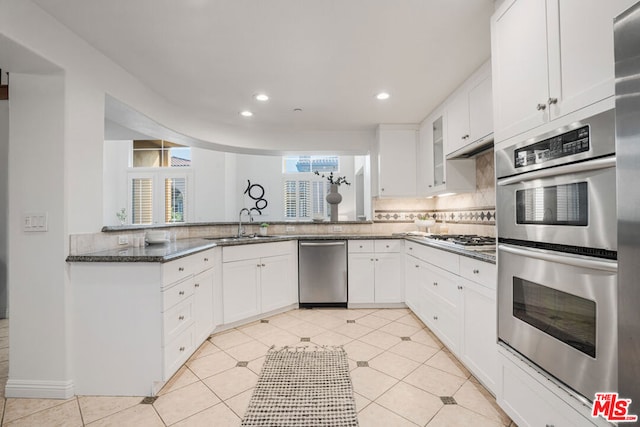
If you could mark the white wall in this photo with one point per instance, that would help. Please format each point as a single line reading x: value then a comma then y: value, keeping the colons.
x: 39, y: 286
x: 116, y: 164
x: 267, y: 172
x: 209, y: 176
x: 4, y: 198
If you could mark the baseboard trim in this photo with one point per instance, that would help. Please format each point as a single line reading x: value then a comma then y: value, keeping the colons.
x: 378, y: 305
x: 39, y: 389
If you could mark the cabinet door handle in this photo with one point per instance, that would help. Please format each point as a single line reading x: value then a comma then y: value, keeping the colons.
x: 476, y: 271
x: 360, y: 246
x: 387, y: 246
x: 182, y: 349
x: 465, y: 136
x: 435, y: 283
x: 459, y: 287
x: 382, y: 189
x: 410, y: 248
x: 206, y: 260
x: 435, y: 317
x: 377, y: 259
x: 430, y: 185
x: 541, y: 107
x: 180, y: 317
x: 371, y: 259
x: 263, y: 265
x: 257, y: 265
x: 417, y: 266
x: 181, y: 293
x: 552, y: 101
x: 197, y: 285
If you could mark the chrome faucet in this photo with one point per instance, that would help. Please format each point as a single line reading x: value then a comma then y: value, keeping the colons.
x: 240, y: 229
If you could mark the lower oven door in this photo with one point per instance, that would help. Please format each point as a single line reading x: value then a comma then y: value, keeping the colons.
x: 559, y: 311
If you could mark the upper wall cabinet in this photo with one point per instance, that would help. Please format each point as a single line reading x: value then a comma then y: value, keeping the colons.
x: 397, y: 160
x: 550, y: 58
x: 470, y: 114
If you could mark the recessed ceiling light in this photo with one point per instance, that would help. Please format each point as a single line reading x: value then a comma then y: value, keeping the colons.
x: 382, y: 95
x: 246, y: 113
x: 261, y: 97
x: 297, y: 110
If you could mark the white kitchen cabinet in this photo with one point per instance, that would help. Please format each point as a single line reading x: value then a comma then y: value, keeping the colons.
x: 550, y: 58
x: 470, y: 113
x: 376, y: 276
x: 257, y: 278
x: 397, y: 160
x: 439, y: 175
x: 142, y: 320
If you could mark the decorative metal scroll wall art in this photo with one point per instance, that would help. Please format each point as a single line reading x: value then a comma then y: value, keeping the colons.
x: 256, y: 192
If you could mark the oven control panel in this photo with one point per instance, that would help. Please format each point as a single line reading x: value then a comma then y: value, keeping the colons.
x: 565, y: 144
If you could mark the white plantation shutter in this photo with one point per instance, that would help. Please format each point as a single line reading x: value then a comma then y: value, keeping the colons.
x: 304, y: 198
x: 142, y: 200
x: 175, y: 199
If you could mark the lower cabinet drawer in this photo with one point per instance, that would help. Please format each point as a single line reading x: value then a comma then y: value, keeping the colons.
x: 480, y: 272
x: 178, y: 351
x: 177, y: 319
x: 177, y: 293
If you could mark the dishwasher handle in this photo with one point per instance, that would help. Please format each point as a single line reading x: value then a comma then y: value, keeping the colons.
x: 342, y: 243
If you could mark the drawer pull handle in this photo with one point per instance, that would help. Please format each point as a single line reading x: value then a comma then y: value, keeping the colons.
x: 410, y: 248
x: 435, y: 283
x: 180, y: 268
x: 206, y: 260
x: 360, y: 246
x: 257, y: 265
x: 263, y: 265
x: 552, y: 101
x: 417, y: 266
x: 465, y: 136
x: 460, y: 288
x: 180, y: 317
x: 377, y: 259
x: 181, y: 293
x: 182, y: 349
x: 541, y: 107
x: 387, y: 245
x: 435, y: 317
x: 197, y: 285
x: 475, y: 271
x: 371, y: 259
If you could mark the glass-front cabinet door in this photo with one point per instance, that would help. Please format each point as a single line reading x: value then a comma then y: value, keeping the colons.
x: 438, y: 152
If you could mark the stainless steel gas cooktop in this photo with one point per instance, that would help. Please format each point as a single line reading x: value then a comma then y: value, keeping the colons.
x: 466, y: 241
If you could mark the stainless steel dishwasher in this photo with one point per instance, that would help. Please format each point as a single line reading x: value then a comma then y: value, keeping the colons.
x: 322, y: 270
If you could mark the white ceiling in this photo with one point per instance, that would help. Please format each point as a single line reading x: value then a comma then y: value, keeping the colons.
x: 328, y: 57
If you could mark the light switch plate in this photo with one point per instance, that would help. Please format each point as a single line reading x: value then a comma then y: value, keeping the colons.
x: 337, y: 229
x: 290, y: 228
x: 35, y: 221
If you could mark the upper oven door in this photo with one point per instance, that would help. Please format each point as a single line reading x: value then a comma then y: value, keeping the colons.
x: 571, y: 205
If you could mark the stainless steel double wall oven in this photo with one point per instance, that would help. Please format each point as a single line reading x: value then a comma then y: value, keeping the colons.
x: 557, y: 268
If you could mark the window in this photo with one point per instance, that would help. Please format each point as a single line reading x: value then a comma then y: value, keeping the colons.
x: 306, y: 164
x: 305, y: 198
x: 159, y: 182
x: 160, y: 154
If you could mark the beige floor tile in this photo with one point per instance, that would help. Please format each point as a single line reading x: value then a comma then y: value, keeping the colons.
x: 412, y: 403
x: 228, y: 339
x: 205, y: 349
x: 475, y: 397
x: 380, y: 339
x: 393, y: 365
x: 447, y: 362
x: 136, y: 416
x: 305, y: 329
x: 232, y: 382
x: 18, y: 408
x: 218, y: 415
x: 373, y: 321
x: 392, y: 314
x: 353, y: 330
x: 257, y: 329
x: 256, y: 365
x: 325, y: 320
x: 180, y: 379
x: 360, y: 351
x: 411, y: 320
x: 279, y: 338
x: 248, y: 351
x: 426, y: 337
x: 456, y: 415
x: 331, y: 338
x: 185, y: 402
x: 361, y: 401
x: 240, y: 403
x: 94, y: 408
x: 434, y: 381
x: 414, y: 351
x: 371, y: 383
x: 375, y: 415
x: 207, y: 366
x: 302, y: 313
x: 399, y: 329
x: 283, y: 320
x: 66, y: 414
x: 352, y: 314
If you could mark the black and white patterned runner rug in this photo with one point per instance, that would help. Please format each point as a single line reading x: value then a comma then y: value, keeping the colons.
x: 303, y: 386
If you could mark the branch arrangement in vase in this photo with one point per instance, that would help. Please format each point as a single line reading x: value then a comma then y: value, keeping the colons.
x: 334, y: 180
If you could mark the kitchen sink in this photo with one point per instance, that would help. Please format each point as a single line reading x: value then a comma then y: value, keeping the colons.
x: 239, y: 239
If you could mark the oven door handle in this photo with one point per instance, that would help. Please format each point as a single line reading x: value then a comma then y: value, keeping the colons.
x: 603, y: 163
x: 544, y: 255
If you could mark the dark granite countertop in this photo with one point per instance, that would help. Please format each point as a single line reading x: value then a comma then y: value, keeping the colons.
x: 185, y: 247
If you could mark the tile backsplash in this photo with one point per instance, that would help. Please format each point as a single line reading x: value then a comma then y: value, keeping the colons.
x: 469, y: 213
